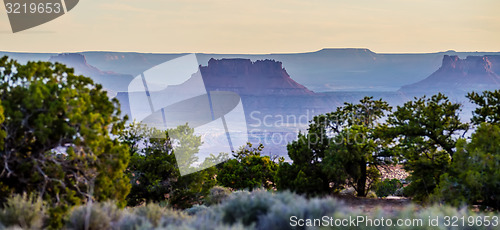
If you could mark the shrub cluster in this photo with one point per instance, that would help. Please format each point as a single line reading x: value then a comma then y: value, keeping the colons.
x: 217, y: 195
x: 258, y: 209
x: 387, y: 187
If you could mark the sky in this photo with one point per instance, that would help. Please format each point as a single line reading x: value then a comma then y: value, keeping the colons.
x: 263, y: 26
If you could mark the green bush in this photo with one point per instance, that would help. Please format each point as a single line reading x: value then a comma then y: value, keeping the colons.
x: 248, y: 170
x: 474, y: 176
x: 154, y: 171
x: 23, y: 212
x: 340, y: 149
x: 217, y: 195
x: 46, y: 106
x: 425, y: 132
x: 387, y: 187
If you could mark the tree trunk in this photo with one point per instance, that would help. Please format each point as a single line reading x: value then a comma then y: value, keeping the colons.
x: 361, y: 183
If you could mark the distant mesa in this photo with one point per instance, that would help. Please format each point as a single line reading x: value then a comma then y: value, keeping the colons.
x: 76, y: 61
x: 267, y: 77
x: 260, y: 78
x: 461, y: 75
x: 347, y: 51
x: 111, y: 81
x: 343, y: 54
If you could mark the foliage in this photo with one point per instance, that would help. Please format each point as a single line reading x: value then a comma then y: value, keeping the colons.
x: 400, y: 192
x: 196, y: 209
x: 248, y: 170
x: 246, y: 207
x: 387, y: 187
x: 425, y: 130
x: 474, y: 175
x: 94, y: 216
x: 153, y: 167
x: 130, y: 221
x: 304, y: 175
x: 251, y: 210
x: 371, y: 194
x: 217, y: 195
x: 357, y: 147
x: 109, y: 216
x: 160, y: 216
x: 261, y: 209
x: 23, y: 212
x: 488, y: 107
x: 341, y: 148
x: 288, y: 205
x: 58, y: 143
x: 2, y: 132
x: 266, y: 210
x: 348, y: 192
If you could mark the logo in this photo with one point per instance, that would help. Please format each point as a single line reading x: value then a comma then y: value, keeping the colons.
x: 173, y: 93
x: 26, y: 14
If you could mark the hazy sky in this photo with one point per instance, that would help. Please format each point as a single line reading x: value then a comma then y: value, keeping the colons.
x: 264, y: 26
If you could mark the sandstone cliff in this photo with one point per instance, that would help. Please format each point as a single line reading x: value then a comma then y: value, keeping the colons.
x: 259, y: 78
x: 457, y: 75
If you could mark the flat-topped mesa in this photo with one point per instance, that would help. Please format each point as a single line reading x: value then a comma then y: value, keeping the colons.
x: 451, y: 63
x: 240, y: 66
x: 478, y: 65
x: 266, y: 77
x: 74, y: 58
x: 470, y: 65
x: 471, y: 73
x: 78, y: 62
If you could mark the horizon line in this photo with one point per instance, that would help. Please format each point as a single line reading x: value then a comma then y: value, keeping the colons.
x: 271, y: 53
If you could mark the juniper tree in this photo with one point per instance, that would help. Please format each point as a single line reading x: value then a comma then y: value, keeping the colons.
x: 58, y: 137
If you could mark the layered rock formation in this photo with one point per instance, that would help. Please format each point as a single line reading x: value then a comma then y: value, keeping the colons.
x: 267, y: 77
x: 461, y: 75
x: 495, y: 63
